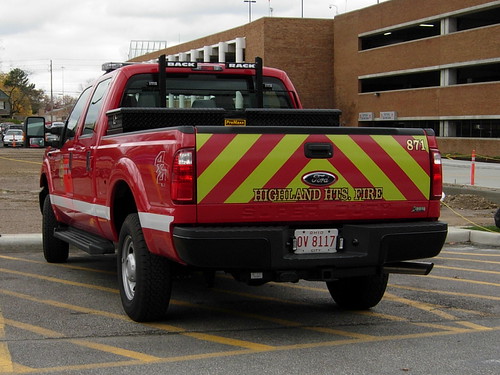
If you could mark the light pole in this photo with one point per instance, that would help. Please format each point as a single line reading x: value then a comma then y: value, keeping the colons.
x: 249, y: 8
x: 62, y: 71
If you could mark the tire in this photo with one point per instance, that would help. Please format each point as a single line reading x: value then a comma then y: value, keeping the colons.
x: 144, y: 278
x: 358, y: 293
x: 54, y: 250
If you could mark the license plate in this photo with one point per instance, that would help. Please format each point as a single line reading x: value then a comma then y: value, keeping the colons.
x: 315, y: 241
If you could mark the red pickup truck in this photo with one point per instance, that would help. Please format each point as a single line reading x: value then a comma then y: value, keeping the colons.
x: 216, y: 167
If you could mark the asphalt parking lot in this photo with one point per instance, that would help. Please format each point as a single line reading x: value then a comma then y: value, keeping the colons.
x: 68, y: 319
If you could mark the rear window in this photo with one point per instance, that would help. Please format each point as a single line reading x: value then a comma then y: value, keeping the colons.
x: 205, y: 91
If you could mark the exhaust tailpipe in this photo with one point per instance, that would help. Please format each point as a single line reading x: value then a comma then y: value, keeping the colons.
x: 409, y: 268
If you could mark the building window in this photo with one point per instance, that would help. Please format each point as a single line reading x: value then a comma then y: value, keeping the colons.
x: 2, y: 104
x: 388, y: 37
x: 426, y: 124
x: 478, y: 73
x: 401, y: 82
x: 476, y: 128
x: 479, y: 19
x: 427, y: 29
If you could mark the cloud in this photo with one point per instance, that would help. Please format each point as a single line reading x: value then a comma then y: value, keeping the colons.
x: 79, y: 36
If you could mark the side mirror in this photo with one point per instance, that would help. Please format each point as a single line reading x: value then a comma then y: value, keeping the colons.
x: 34, y: 129
x: 57, y: 130
x: 55, y: 142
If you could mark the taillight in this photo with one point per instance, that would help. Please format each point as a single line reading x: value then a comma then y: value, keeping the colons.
x: 183, y: 177
x: 436, y: 175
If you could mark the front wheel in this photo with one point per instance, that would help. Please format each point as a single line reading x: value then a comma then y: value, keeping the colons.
x: 144, y: 278
x: 358, y: 293
x: 54, y: 250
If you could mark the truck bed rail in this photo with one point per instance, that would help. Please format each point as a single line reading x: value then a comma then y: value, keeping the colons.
x: 124, y: 120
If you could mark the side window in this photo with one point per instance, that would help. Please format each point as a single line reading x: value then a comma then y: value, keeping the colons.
x: 76, y: 113
x: 95, y: 106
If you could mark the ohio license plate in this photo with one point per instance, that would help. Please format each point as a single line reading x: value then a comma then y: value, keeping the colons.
x: 315, y: 241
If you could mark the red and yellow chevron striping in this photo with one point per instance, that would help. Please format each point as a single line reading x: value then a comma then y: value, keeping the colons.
x: 241, y: 168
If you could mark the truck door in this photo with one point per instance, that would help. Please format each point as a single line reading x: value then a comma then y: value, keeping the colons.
x: 83, y: 163
x: 60, y: 160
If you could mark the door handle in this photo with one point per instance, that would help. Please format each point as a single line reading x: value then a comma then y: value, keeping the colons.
x: 318, y: 150
x: 89, y: 158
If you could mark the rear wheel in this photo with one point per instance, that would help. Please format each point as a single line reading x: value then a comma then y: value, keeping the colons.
x: 54, y: 250
x: 358, y: 293
x: 144, y: 278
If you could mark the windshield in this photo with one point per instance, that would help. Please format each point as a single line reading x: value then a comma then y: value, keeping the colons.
x: 14, y: 132
x: 230, y: 92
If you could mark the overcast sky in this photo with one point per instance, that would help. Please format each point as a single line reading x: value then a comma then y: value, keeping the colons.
x: 78, y: 36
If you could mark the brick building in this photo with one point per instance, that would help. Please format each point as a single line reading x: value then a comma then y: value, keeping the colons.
x: 405, y: 63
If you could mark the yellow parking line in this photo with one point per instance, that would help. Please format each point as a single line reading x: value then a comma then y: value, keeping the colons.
x: 339, y: 332
x: 85, y: 343
x: 21, y: 161
x: 421, y: 306
x: 60, y: 281
x: 212, y: 338
x: 18, y: 369
x: 108, y: 365
x: 467, y: 270
x: 63, y: 305
x: 35, y: 329
x: 194, y: 357
x: 445, y: 331
x: 223, y: 340
x: 471, y: 253
x: 228, y: 341
x: 69, y: 266
x: 5, y: 358
x: 470, y: 260
x: 471, y: 295
x: 279, y: 321
x: 381, y: 339
x: 314, y: 289
x: 474, y: 326
x: 115, y: 350
x: 462, y: 280
x: 358, y: 312
x: 440, y: 327
x: 394, y: 318
x: 260, y: 297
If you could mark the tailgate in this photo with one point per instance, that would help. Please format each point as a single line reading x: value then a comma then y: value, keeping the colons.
x: 284, y: 175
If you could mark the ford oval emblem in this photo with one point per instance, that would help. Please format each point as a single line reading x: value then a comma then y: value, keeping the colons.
x: 319, y: 178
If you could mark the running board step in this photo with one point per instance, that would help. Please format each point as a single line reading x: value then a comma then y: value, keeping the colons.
x: 85, y: 241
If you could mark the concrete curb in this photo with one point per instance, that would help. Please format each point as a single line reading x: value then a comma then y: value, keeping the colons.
x: 476, y: 237
x: 21, y: 242
x: 33, y: 241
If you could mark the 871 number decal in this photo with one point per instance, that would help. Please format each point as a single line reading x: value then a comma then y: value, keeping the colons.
x: 415, y: 145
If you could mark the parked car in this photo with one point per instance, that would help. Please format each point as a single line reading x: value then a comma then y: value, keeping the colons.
x: 4, y: 126
x: 14, y: 138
